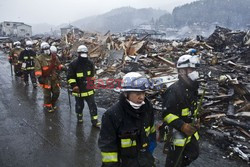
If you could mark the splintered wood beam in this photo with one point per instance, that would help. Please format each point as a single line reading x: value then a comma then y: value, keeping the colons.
x: 244, y: 132
x: 166, y: 61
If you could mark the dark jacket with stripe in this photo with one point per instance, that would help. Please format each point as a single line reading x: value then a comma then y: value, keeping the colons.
x: 180, y: 103
x: 125, y: 135
x: 27, y: 57
x: 81, y: 73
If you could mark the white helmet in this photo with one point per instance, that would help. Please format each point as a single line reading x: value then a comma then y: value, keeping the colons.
x: 17, y: 43
x: 82, y: 49
x: 44, y: 46
x: 29, y: 43
x: 186, y: 61
x: 53, y: 49
x: 134, y: 82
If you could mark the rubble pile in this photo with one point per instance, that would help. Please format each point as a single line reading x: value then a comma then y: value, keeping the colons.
x: 227, y: 109
x: 225, y: 57
x: 225, y: 70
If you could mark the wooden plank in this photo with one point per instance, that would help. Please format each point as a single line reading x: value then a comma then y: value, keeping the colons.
x: 166, y: 61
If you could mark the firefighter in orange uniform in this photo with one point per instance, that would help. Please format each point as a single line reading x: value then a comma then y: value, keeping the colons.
x: 47, y: 67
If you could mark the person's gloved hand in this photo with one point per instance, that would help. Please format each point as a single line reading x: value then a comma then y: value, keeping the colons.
x: 197, y: 124
x: 152, y: 146
x: 76, y: 89
x: 41, y: 80
x: 188, y: 129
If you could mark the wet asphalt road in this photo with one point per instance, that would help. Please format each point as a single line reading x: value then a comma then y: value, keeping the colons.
x: 30, y: 137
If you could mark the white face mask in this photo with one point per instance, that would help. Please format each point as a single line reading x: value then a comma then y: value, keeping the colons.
x: 47, y: 52
x: 28, y: 48
x: 83, y: 55
x: 18, y: 46
x: 194, y: 75
x: 134, y: 105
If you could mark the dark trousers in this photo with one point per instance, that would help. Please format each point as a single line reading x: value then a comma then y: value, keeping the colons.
x: 190, y: 153
x: 91, y: 103
x: 27, y: 73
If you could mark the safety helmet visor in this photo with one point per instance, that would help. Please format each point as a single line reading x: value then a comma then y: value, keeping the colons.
x: 135, y: 84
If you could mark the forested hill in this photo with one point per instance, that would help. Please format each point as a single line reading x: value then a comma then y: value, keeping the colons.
x: 229, y: 13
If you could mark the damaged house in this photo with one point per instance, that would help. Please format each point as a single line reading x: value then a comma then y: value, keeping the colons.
x: 15, y: 29
x: 70, y: 32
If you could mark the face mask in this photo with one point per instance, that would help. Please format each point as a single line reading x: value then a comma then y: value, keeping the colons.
x: 84, y: 55
x: 28, y: 48
x: 47, y: 52
x: 18, y: 46
x: 136, y: 106
x: 193, y: 75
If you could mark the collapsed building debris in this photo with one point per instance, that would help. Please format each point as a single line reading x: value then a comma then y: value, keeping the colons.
x: 225, y: 57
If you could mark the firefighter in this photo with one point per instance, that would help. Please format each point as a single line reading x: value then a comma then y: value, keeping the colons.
x: 81, y: 72
x: 180, y: 112
x: 47, y: 67
x: 26, y: 60
x: 13, y: 58
x: 127, y: 137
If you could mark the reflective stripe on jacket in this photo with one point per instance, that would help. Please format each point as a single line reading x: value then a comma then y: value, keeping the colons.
x: 79, y: 73
x: 180, y: 106
x: 125, y: 135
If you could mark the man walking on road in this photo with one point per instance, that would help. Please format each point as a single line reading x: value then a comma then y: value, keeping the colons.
x: 127, y: 136
x: 13, y: 58
x: 26, y: 60
x: 81, y: 71
x: 47, y: 67
x: 180, y: 113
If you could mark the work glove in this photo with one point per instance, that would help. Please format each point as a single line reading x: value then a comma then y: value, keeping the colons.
x: 197, y: 124
x: 76, y: 89
x: 41, y: 80
x: 188, y: 129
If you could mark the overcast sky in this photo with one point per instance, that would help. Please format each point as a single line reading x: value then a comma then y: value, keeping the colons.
x: 65, y: 11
